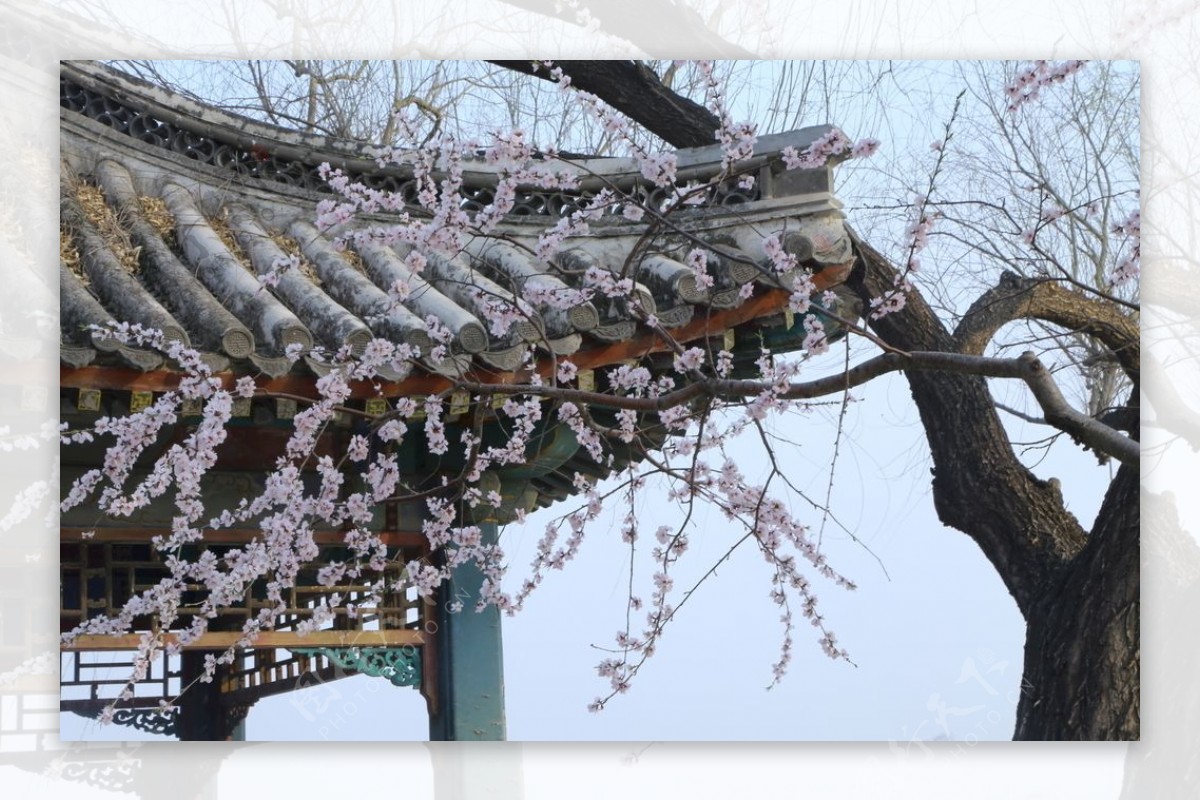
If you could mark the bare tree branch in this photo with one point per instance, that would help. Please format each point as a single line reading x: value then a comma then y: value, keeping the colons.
x: 636, y: 91
x: 1016, y: 297
x: 1028, y: 368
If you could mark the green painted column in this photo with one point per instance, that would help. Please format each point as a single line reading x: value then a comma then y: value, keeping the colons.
x: 470, y: 661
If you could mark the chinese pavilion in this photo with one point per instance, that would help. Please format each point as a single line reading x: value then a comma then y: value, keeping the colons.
x: 171, y: 214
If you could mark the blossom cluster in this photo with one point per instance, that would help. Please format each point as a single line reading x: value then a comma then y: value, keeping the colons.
x: 1029, y: 82
x: 918, y: 231
x: 737, y: 139
x: 833, y: 144
x: 892, y: 300
x: 781, y: 539
x: 1129, y: 267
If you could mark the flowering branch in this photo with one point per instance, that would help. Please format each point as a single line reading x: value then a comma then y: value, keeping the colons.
x: 1028, y: 83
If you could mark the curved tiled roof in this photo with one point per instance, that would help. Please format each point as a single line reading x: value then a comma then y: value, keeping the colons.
x: 173, y: 213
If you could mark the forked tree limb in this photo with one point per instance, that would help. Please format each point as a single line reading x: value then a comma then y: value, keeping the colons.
x: 1016, y: 297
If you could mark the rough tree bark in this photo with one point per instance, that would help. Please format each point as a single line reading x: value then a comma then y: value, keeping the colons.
x: 1077, y: 589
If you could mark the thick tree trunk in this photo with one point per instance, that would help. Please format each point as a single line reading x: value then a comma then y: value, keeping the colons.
x: 1082, y: 645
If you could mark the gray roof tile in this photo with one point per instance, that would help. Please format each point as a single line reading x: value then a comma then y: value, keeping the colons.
x: 210, y: 205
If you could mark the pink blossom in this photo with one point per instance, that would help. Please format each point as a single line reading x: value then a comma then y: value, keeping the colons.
x: 697, y: 259
x: 659, y: 168
x: 818, y: 153
x: 892, y: 301
x: 815, y: 341
x: 566, y: 372
x: 690, y: 359
x: 864, y: 148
